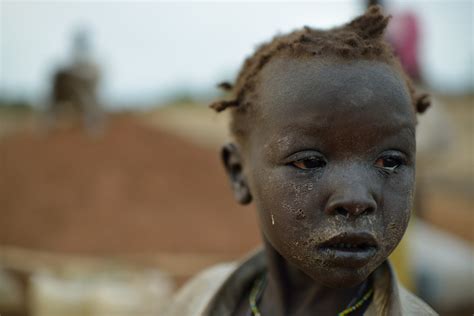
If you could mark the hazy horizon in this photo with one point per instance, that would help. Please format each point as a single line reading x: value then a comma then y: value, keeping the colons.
x: 149, y: 50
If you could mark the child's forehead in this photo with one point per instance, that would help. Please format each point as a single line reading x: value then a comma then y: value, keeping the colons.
x: 343, y: 100
x: 286, y: 75
x: 293, y: 85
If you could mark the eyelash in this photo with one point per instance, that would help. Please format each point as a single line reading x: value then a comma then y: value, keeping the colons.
x: 394, y: 162
x: 318, y: 161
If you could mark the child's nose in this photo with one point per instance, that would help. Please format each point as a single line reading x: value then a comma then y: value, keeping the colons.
x: 351, y: 203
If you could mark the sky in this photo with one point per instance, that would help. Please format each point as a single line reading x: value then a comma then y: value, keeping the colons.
x: 150, y: 50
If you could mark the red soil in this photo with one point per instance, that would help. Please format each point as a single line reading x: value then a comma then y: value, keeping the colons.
x: 133, y: 190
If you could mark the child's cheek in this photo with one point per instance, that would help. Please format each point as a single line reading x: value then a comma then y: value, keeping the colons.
x: 397, y: 201
x: 287, y: 209
x: 280, y: 202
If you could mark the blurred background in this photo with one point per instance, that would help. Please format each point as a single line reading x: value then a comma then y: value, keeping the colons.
x: 112, y: 194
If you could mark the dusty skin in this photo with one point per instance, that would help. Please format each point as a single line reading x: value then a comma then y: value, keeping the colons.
x: 330, y: 162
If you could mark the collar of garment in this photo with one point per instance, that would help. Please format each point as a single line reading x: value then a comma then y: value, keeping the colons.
x: 386, y: 299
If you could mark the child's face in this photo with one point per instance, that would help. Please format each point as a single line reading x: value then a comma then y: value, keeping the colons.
x: 330, y: 164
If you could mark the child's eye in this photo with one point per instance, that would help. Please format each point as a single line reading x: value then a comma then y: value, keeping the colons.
x: 309, y: 163
x: 389, y: 162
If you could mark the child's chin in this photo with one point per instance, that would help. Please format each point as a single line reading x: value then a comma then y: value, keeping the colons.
x: 342, y: 278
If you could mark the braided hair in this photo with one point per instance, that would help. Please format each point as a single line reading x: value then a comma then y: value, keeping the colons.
x: 362, y: 38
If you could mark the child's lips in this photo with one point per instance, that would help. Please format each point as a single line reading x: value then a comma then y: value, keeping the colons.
x: 353, y: 249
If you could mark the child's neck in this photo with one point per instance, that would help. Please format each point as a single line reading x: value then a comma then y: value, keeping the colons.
x: 289, y: 291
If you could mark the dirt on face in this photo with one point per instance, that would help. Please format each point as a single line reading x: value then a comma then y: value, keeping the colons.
x: 135, y: 189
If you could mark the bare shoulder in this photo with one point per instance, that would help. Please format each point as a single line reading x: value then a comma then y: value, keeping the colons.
x: 193, y: 298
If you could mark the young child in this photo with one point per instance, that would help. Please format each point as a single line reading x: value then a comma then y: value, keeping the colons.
x: 324, y: 127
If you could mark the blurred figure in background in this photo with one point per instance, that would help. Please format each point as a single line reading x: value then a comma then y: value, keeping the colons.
x: 403, y: 34
x: 74, y: 87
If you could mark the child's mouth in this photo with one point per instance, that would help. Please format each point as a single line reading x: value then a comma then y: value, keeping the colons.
x: 349, y: 249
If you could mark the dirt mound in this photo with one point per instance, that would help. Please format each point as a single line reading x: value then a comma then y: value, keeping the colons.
x: 133, y: 190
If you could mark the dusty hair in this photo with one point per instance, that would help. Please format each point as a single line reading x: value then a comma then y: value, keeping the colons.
x: 360, y: 39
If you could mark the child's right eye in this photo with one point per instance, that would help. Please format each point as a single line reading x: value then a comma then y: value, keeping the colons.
x: 309, y: 163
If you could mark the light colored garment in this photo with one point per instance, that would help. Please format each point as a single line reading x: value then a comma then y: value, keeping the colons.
x: 216, y: 291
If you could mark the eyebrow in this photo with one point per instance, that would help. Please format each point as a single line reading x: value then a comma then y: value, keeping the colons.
x: 283, y: 139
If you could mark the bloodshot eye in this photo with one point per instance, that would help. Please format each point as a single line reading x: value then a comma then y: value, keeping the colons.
x: 309, y: 163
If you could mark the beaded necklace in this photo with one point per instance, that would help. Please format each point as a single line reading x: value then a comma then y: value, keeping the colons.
x: 259, y: 285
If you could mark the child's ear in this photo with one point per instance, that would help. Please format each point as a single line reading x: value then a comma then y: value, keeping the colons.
x: 232, y: 160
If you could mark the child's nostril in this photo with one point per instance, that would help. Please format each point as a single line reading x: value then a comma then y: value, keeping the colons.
x: 369, y: 210
x: 356, y: 211
x: 341, y: 211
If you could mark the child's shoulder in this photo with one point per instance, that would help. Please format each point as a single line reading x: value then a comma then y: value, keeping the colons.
x: 216, y: 288
x: 193, y: 298
x: 392, y: 298
x: 412, y: 305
